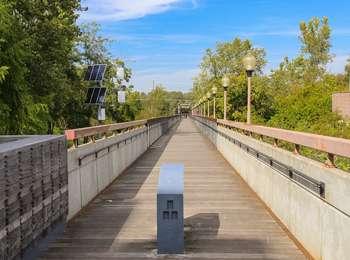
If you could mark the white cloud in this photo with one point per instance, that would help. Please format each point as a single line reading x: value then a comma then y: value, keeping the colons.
x: 179, y: 80
x: 119, y: 10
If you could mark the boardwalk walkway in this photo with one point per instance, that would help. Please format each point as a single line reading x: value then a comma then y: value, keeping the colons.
x: 224, y: 218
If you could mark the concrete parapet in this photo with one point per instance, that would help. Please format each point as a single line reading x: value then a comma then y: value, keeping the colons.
x: 93, y: 166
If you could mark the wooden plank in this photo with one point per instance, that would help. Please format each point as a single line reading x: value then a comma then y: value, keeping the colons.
x: 223, y: 218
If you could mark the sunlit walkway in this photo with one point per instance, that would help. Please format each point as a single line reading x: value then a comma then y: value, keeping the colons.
x: 224, y: 218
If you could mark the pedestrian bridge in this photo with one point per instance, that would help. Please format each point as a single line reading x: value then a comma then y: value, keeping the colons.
x: 246, y: 195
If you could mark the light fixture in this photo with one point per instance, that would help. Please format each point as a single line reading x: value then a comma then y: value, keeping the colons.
x: 249, y: 62
x: 225, y: 81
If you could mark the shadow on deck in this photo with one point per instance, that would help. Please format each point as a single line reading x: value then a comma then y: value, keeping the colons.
x: 223, y: 218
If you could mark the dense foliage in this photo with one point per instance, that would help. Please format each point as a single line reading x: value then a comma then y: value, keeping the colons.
x: 43, y: 56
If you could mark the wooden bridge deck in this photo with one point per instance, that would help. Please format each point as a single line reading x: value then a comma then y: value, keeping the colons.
x: 224, y: 219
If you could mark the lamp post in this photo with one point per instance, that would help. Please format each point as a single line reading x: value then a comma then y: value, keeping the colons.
x: 249, y: 62
x: 225, y: 84
x: 208, y: 97
x: 347, y: 69
x: 204, y: 109
x: 214, y: 91
x: 203, y: 106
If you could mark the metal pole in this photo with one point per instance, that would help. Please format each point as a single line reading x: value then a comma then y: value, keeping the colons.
x: 249, y: 99
x: 225, y: 103
x: 214, y: 112
x: 208, y: 107
x: 148, y: 136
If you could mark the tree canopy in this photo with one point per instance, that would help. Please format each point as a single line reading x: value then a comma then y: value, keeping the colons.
x: 43, y: 57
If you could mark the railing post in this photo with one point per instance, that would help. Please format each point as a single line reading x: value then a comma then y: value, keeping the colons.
x: 296, y: 149
x: 330, y: 160
x: 148, y: 134
x: 76, y: 143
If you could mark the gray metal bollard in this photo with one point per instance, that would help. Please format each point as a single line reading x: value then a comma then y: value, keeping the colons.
x: 170, y: 217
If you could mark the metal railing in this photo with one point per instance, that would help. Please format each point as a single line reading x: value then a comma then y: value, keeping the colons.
x: 332, y: 146
x: 91, y: 134
x: 313, y: 185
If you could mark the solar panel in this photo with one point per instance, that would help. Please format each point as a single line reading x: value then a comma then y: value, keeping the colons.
x: 88, y: 73
x: 102, y: 95
x: 95, y: 95
x: 101, y: 72
x: 89, y: 95
x: 95, y: 72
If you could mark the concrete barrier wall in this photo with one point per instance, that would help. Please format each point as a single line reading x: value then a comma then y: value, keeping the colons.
x: 92, y: 167
x: 321, y: 225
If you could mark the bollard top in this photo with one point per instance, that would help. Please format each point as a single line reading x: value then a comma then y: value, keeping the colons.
x: 171, y: 179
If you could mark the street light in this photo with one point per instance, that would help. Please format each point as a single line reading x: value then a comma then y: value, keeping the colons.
x: 249, y: 62
x: 347, y: 69
x: 203, y: 106
x: 225, y: 84
x: 208, y: 97
x: 214, y: 91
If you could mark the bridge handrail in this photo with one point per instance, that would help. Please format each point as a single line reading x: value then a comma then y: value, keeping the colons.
x: 330, y: 145
x: 91, y: 132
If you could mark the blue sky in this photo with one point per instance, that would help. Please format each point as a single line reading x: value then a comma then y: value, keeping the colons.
x: 164, y: 40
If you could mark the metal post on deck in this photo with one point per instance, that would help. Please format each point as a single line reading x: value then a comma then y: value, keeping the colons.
x: 170, y: 215
x: 214, y: 90
x: 148, y: 130
x: 225, y: 84
x: 249, y: 62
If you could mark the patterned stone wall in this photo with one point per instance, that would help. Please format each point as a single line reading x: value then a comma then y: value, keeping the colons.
x: 33, y: 191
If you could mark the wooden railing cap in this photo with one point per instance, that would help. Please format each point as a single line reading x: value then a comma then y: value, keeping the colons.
x: 331, y: 145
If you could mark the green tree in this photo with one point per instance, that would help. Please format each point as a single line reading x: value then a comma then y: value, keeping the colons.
x: 226, y: 58
x: 14, y: 99
x: 310, y: 109
x: 315, y: 38
x: 50, y: 31
x: 92, y: 47
x: 156, y: 103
